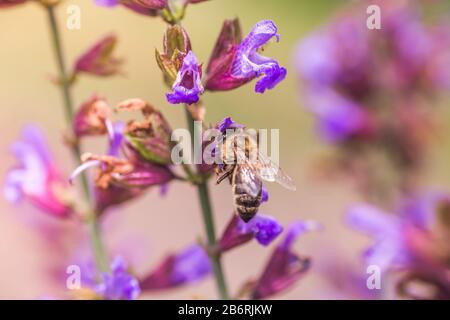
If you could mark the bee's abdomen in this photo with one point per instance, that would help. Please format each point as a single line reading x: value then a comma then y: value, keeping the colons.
x: 246, y: 205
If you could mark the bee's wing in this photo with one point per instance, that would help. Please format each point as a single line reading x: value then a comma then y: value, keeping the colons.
x: 248, y: 179
x: 265, y: 168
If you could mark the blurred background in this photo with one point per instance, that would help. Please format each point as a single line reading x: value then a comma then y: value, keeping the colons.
x: 147, y: 228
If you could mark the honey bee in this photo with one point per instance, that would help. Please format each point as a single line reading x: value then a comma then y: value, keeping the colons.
x: 246, y: 168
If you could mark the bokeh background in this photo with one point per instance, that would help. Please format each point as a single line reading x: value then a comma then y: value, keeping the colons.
x: 149, y: 227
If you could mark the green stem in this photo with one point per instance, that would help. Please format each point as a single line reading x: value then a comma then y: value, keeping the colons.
x: 208, y: 221
x: 94, y: 230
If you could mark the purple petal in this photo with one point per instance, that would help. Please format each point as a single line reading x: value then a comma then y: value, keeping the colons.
x: 119, y: 284
x: 284, y: 268
x: 339, y: 118
x: 35, y: 175
x: 264, y: 195
x: 263, y: 228
x: 388, y: 248
x: 116, y: 135
x: 107, y: 3
x: 248, y: 63
x: 297, y: 229
x: 228, y: 123
x: 187, y: 87
x: 272, y: 76
x: 190, y: 265
x: 371, y: 220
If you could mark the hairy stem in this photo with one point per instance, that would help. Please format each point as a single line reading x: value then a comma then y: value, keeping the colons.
x: 93, y: 226
x: 208, y: 221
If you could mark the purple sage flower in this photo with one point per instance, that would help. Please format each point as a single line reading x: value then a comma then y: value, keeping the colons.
x: 285, y: 267
x: 187, y: 266
x: 187, y: 86
x: 119, y: 284
x: 264, y: 229
x: 36, y: 177
x: 397, y: 238
x: 235, y: 63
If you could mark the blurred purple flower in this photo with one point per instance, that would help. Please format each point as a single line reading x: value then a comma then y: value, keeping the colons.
x: 415, y: 242
x: 339, y: 119
x: 263, y: 228
x: 187, y: 86
x: 284, y: 268
x: 36, y: 177
x: 386, y: 229
x: 119, y: 284
x: 395, y: 236
x: 99, y: 60
x: 187, y: 266
x: 234, y: 62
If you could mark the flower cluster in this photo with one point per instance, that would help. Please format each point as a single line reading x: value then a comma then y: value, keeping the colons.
x: 413, y: 242
x: 233, y: 63
x: 371, y: 90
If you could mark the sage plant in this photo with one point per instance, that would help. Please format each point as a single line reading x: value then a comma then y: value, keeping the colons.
x: 138, y: 156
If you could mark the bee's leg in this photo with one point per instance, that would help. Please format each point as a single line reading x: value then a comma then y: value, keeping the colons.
x: 224, y: 176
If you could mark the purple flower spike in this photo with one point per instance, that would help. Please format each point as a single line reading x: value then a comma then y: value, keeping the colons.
x: 187, y: 86
x: 119, y: 284
x: 249, y: 64
x: 263, y: 228
x: 284, y: 267
x: 36, y: 177
x: 190, y: 265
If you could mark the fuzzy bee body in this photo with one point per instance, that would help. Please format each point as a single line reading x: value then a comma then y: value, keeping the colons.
x: 246, y: 168
x: 246, y: 204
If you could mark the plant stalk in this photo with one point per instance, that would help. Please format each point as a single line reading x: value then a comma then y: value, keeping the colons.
x: 92, y: 224
x: 208, y: 221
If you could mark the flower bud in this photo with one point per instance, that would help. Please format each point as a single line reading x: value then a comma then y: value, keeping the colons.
x: 176, y: 45
x: 150, y: 138
x: 99, y: 60
x: 285, y: 267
